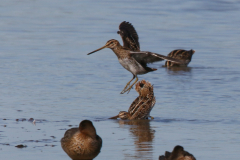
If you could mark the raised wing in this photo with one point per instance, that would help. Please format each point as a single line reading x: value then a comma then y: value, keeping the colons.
x: 129, y: 36
x: 145, y: 57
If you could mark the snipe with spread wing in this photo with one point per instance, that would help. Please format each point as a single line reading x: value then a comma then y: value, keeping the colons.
x: 133, y: 61
x: 130, y: 40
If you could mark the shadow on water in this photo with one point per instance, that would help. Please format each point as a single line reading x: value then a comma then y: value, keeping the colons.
x: 178, y: 70
x: 195, y: 121
x: 143, y: 136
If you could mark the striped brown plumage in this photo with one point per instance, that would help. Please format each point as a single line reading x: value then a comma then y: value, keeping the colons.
x: 130, y: 41
x: 134, y: 62
x: 142, y: 105
x: 180, y: 54
x: 129, y: 36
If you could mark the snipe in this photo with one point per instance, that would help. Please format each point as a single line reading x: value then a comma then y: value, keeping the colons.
x: 181, y: 55
x: 133, y: 61
x: 142, y: 105
x: 130, y: 40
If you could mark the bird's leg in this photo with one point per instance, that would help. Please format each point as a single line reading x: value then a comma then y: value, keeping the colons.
x: 132, y: 85
x: 123, y: 91
x: 115, y: 117
x: 151, y: 117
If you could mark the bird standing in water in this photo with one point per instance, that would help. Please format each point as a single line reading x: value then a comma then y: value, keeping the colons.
x: 142, y: 105
x: 83, y: 142
x: 133, y: 61
x: 181, y: 55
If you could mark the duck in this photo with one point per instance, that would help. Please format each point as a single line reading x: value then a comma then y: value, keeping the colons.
x: 178, y: 153
x: 130, y: 40
x: 82, y: 142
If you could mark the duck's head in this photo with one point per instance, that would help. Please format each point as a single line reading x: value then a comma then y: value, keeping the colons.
x: 86, y: 127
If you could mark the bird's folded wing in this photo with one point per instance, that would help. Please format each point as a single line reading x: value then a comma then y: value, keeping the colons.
x: 150, y: 57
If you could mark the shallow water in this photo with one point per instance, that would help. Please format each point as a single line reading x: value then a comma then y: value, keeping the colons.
x: 47, y: 75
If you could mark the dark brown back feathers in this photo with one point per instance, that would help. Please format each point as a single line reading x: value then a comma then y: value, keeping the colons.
x: 129, y: 36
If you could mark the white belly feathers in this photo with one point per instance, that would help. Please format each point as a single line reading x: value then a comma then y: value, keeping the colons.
x: 132, y: 66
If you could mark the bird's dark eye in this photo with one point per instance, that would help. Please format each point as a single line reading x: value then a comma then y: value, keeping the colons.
x: 141, y: 85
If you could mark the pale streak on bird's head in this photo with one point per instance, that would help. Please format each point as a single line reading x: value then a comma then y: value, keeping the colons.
x: 110, y: 44
x: 124, y: 115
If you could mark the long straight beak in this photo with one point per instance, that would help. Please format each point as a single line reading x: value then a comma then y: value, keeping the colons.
x: 193, y: 51
x: 97, y: 50
x: 115, y: 117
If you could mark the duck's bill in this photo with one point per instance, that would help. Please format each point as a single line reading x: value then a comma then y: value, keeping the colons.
x: 97, y: 50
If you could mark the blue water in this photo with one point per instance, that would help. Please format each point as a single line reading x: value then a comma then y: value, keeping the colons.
x: 47, y: 75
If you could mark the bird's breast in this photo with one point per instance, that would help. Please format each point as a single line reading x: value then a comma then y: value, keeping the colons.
x: 132, y: 66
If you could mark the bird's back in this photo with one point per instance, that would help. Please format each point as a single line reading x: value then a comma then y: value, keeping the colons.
x: 180, y: 54
x: 79, y: 146
x: 141, y: 108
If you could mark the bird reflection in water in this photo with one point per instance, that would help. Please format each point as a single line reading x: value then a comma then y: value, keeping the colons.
x: 143, y: 136
x: 179, y: 70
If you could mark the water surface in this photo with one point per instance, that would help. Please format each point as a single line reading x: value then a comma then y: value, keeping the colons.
x: 47, y: 75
